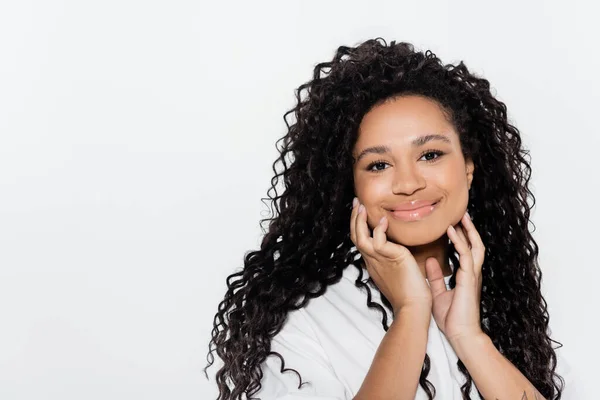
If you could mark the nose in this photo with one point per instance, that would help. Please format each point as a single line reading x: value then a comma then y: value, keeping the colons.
x: 407, y: 179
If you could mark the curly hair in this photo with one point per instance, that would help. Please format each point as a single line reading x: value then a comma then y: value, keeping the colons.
x: 308, y: 246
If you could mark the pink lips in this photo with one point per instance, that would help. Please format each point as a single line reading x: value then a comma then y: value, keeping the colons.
x: 412, y: 205
x: 413, y: 211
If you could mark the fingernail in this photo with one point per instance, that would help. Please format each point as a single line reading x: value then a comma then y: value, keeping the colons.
x: 361, y: 208
x: 381, y: 220
x: 468, y: 216
x: 354, y: 202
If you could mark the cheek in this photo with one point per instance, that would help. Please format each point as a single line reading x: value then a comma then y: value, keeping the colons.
x: 459, y: 204
x: 371, y: 191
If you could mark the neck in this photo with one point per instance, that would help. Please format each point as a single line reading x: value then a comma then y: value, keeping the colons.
x: 437, y: 250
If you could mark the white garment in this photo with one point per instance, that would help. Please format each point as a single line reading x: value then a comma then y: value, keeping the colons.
x: 332, y: 341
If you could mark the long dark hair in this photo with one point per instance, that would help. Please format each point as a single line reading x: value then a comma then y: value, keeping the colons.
x: 308, y: 246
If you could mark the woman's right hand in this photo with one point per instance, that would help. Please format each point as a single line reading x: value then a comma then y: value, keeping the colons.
x: 391, y: 266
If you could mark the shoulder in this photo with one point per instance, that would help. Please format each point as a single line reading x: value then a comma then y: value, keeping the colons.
x: 337, y: 321
x: 341, y: 300
x: 305, y: 327
x: 346, y: 301
x: 303, y: 345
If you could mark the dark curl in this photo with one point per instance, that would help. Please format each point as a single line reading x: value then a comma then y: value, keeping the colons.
x: 308, y: 245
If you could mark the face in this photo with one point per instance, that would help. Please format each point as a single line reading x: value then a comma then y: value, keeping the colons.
x: 398, y: 163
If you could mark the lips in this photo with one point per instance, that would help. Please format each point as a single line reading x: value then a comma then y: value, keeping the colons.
x: 413, y: 205
x: 415, y: 214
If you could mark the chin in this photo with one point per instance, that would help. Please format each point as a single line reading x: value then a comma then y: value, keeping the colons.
x: 415, y: 237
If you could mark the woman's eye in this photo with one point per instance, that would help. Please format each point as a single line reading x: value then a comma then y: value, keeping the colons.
x: 377, y: 164
x: 436, y: 153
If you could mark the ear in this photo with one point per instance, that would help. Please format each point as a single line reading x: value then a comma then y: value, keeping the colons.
x: 470, y: 167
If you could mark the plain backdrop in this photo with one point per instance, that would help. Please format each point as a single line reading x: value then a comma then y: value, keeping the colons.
x: 136, y: 143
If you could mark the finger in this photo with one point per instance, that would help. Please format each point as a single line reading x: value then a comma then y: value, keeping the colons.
x: 379, y: 236
x: 477, y: 246
x: 435, y: 277
x: 384, y: 247
x: 363, y: 236
x: 466, y: 258
x: 461, y: 234
x: 353, y: 220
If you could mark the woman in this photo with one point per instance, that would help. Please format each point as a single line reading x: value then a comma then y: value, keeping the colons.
x: 400, y: 264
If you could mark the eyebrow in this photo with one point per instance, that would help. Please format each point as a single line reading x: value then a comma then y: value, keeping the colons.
x: 420, y: 141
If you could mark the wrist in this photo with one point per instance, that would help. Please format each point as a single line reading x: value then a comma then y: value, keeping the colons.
x: 418, y: 312
x: 470, y: 344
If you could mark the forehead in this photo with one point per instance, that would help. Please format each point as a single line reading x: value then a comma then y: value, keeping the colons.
x: 403, y: 119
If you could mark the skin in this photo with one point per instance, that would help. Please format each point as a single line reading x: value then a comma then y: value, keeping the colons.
x: 404, y: 174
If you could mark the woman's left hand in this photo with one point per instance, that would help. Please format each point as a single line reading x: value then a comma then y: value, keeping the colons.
x: 456, y: 311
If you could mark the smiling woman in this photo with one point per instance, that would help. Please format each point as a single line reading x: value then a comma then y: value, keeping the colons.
x: 400, y: 263
x: 414, y: 166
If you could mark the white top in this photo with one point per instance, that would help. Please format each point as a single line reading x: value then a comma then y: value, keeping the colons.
x: 332, y: 341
